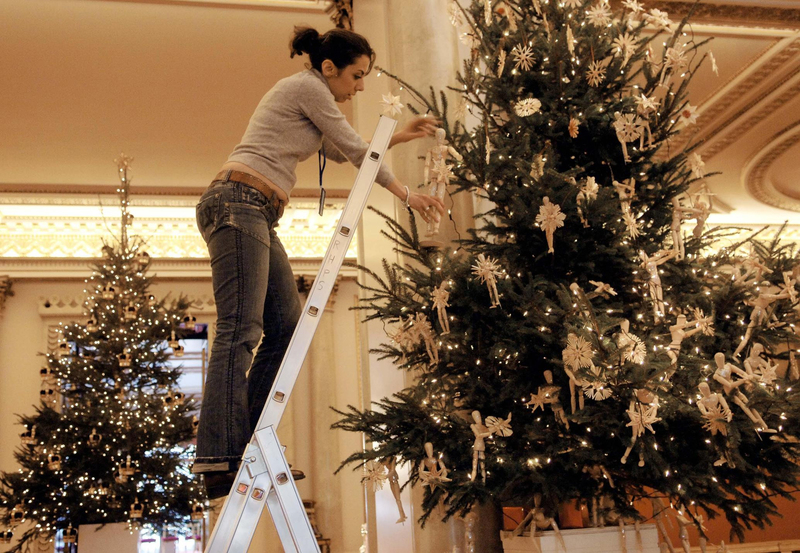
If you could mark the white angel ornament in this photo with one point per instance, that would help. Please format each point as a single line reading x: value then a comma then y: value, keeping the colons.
x: 549, y: 219
x: 487, y: 269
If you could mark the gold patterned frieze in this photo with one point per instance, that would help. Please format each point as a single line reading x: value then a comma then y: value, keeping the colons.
x: 77, y: 227
x: 732, y: 14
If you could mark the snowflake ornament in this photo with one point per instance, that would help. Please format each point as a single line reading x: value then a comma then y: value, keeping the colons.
x: 527, y: 107
x: 573, y: 3
x: 624, y: 45
x: 523, y: 55
x: 375, y: 475
x: 599, y: 15
x: 578, y: 352
x: 629, y: 128
x: 596, y: 73
x: 633, y: 347
x: 391, y: 105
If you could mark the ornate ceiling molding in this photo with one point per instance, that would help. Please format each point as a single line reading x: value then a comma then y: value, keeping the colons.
x: 733, y: 14
x: 757, y: 167
x: 747, y: 80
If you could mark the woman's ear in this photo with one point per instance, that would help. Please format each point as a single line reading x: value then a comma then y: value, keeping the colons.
x: 329, y: 69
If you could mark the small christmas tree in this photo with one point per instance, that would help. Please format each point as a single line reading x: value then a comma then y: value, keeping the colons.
x: 614, y: 356
x: 110, y: 440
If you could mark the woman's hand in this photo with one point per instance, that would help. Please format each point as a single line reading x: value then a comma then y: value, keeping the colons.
x: 419, y: 127
x: 429, y: 207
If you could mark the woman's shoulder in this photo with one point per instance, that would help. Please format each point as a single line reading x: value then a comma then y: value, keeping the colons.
x: 305, y: 78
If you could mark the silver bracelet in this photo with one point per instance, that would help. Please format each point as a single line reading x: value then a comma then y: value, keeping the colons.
x: 408, y: 195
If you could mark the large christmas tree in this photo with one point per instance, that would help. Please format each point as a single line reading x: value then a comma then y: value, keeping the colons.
x: 110, y: 439
x: 586, y: 342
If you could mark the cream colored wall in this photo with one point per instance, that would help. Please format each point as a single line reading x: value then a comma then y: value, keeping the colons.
x: 330, y: 377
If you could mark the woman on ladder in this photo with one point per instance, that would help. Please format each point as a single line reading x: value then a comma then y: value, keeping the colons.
x: 254, y: 288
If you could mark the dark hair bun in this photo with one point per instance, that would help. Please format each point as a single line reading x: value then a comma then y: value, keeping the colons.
x: 305, y: 41
x: 340, y: 46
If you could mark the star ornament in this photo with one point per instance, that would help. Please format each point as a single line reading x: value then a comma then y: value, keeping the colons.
x: 658, y: 19
x: 717, y: 418
x: 696, y: 164
x: 688, y: 115
x: 527, y: 107
x: 523, y: 55
x: 375, y: 475
x: 501, y: 427
x: 391, y: 105
x: 537, y: 401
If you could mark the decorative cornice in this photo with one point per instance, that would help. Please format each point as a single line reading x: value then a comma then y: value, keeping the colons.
x: 732, y: 14
x: 756, y: 168
x: 743, y: 83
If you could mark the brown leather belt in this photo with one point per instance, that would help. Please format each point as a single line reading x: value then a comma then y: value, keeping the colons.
x: 253, y: 182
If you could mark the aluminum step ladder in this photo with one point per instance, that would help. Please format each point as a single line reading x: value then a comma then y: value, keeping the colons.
x: 264, y: 476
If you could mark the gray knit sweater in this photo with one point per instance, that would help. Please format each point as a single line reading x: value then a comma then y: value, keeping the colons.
x: 290, y: 124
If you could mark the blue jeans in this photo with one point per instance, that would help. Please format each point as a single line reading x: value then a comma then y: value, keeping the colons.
x: 256, y: 298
